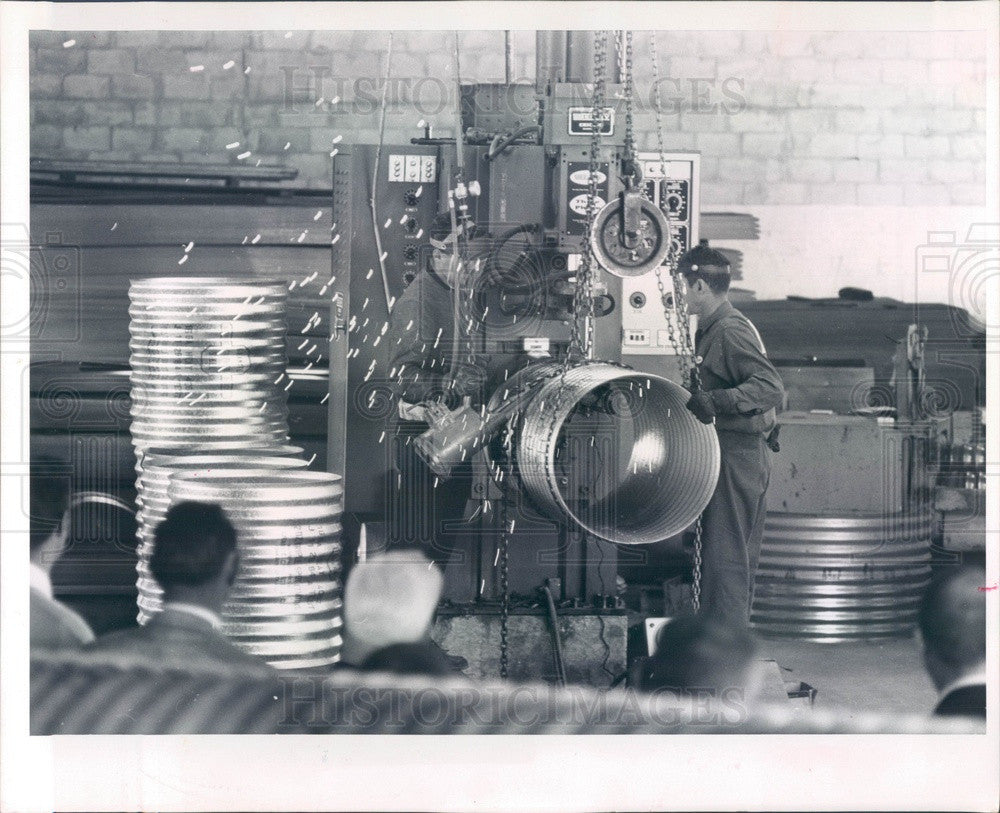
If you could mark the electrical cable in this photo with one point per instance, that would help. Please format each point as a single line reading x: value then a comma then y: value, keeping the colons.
x: 378, y: 156
x: 556, y: 637
x: 600, y: 616
x: 500, y: 143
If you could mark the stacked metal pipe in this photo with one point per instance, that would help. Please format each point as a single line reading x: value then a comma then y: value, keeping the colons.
x: 208, y: 401
x: 285, y: 605
x: 158, y: 465
x: 842, y: 578
x: 207, y: 358
x: 208, y: 362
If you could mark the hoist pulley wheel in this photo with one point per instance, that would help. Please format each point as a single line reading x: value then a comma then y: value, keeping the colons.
x: 631, y: 236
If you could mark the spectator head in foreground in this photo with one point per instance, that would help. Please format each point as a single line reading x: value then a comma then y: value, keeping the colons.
x: 421, y: 658
x: 194, y: 557
x: 49, y: 502
x: 52, y: 624
x: 389, y: 599
x: 697, y: 654
x: 952, y: 621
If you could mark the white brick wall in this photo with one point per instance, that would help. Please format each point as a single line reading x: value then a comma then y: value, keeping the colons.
x: 794, y: 117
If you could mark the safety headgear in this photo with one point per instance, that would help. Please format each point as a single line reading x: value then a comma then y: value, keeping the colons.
x: 703, y: 260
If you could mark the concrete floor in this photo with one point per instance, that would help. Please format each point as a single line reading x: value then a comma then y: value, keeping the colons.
x: 884, y: 677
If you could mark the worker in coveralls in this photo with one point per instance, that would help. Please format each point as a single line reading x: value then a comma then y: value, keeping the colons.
x: 427, y: 376
x: 740, y: 390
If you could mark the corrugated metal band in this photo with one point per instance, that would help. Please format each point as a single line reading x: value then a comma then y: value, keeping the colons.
x: 616, y: 452
x: 841, y: 578
x: 152, y: 485
x: 277, y: 609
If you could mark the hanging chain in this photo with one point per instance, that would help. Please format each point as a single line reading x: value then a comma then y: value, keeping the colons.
x: 696, y: 573
x: 504, y: 586
x: 631, y: 163
x: 581, y: 335
x: 683, y: 345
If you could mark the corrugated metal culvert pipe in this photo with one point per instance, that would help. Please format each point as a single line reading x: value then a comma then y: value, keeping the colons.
x: 207, y: 359
x: 285, y: 605
x: 611, y: 450
x: 152, y: 483
x: 842, y: 578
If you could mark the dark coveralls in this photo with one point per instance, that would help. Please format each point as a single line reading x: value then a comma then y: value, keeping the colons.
x: 745, y: 389
x: 419, y: 342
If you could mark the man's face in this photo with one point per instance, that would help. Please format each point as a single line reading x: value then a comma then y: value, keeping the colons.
x: 695, y: 294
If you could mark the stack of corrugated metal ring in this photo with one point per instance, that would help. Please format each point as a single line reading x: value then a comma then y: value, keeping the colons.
x: 208, y: 360
x: 154, y: 474
x: 208, y: 402
x: 285, y: 605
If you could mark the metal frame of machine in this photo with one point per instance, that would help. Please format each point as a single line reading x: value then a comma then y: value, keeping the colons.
x: 534, y: 172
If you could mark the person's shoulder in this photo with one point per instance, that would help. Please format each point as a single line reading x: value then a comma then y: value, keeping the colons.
x: 964, y: 701
x: 53, y: 624
x: 736, y: 326
x: 116, y: 639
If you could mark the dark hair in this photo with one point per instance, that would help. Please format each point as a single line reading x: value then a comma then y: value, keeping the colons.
x: 420, y: 658
x: 49, y: 487
x: 707, y: 264
x: 952, y: 616
x: 695, y: 652
x: 191, y: 544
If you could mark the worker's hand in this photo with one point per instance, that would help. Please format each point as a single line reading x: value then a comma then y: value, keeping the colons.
x: 701, y: 406
x: 469, y: 381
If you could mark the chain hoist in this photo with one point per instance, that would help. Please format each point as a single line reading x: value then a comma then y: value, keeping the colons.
x: 683, y: 345
x: 631, y: 236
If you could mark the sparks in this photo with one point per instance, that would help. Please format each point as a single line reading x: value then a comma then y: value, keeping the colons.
x: 325, y: 398
x: 243, y: 155
x: 115, y: 226
x: 255, y: 240
x: 196, y: 68
x: 233, y: 146
x: 228, y: 65
x: 69, y: 43
x: 182, y: 260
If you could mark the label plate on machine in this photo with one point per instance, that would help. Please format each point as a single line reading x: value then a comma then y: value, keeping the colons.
x: 580, y: 121
x: 577, y: 191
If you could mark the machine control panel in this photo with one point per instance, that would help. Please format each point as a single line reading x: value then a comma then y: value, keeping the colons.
x: 671, y: 184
